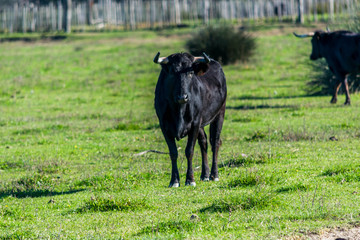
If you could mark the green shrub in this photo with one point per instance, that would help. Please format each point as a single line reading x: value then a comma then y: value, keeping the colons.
x: 222, y: 43
x: 323, y: 80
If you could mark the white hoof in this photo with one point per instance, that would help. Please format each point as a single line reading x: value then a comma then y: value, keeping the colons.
x: 216, y: 179
x: 191, y: 184
x: 206, y: 179
x: 175, y: 185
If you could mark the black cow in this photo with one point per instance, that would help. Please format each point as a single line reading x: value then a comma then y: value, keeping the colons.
x: 341, y: 49
x: 190, y: 94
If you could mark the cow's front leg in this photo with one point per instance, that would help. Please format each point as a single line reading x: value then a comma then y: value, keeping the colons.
x: 347, y: 101
x: 189, y: 152
x: 175, y: 177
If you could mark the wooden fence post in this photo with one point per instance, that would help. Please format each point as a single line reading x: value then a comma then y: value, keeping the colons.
x: 315, y: 10
x: 177, y: 12
x: 89, y: 17
x: 331, y: 10
x: 301, y: 11
x: 206, y: 11
x: 67, y: 16
x: 132, y: 14
x: 59, y: 15
x: 24, y: 19
x: 129, y: 14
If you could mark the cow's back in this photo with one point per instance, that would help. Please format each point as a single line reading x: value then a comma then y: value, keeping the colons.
x: 214, y: 92
x: 343, y: 51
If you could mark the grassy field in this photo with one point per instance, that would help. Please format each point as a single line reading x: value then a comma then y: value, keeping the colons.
x: 73, y: 114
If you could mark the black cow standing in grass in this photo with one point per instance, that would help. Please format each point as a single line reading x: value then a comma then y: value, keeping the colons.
x: 190, y: 94
x: 341, y: 49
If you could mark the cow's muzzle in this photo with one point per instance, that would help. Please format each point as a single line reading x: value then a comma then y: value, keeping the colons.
x: 182, y: 99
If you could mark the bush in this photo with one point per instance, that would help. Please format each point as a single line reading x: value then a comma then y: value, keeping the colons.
x: 223, y: 44
x: 323, y: 80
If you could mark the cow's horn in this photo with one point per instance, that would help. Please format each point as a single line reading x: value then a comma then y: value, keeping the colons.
x: 160, y: 60
x: 205, y: 58
x: 304, y: 35
x: 327, y: 29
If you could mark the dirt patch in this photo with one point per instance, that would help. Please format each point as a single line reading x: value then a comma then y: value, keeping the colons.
x: 338, y: 234
x: 284, y: 29
x: 331, y: 234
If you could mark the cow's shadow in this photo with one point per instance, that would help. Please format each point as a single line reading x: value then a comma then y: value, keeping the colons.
x: 262, y: 106
x: 266, y: 106
x: 270, y: 98
x: 36, y: 193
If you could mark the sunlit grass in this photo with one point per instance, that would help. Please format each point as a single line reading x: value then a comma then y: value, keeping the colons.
x: 74, y: 113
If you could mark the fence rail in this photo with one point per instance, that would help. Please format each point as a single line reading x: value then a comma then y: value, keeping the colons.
x: 133, y: 14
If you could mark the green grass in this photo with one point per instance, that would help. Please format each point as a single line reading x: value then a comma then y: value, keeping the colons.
x: 74, y: 112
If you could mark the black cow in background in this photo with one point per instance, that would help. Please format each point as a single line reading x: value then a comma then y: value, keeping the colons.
x: 190, y: 94
x: 341, y: 49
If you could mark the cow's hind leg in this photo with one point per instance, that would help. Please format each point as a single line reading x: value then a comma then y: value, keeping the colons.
x: 215, y: 141
x: 203, y: 146
x: 189, y: 152
x: 175, y: 177
x: 336, y: 90
x: 345, y: 82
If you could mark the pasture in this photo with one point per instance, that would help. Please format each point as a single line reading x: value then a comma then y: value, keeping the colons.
x: 73, y: 114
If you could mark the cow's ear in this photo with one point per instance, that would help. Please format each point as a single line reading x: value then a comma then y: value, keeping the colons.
x: 317, y: 35
x: 321, y: 36
x: 200, y: 68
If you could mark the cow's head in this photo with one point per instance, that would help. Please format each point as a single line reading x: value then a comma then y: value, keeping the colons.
x: 180, y: 71
x: 315, y: 41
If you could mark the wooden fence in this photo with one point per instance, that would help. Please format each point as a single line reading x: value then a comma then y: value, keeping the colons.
x: 133, y: 14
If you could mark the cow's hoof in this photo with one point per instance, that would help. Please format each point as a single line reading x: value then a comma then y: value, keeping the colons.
x: 347, y: 103
x: 205, y: 179
x: 216, y: 179
x: 190, y: 184
x: 333, y: 101
x: 174, y: 185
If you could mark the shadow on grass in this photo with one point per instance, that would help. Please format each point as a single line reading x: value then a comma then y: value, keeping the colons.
x: 245, y: 160
x: 105, y: 204
x: 36, y: 193
x: 33, y: 39
x: 256, y: 199
x: 262, y: 106
x: 269, y: 98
